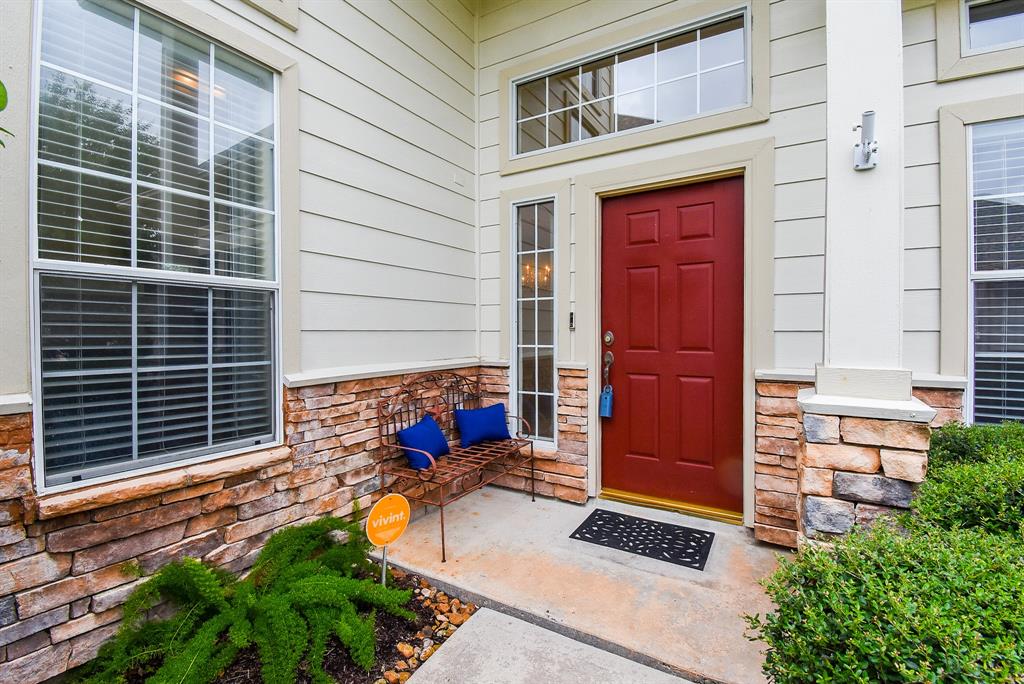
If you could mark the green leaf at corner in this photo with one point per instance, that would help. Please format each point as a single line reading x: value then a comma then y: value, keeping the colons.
x: 3, y: 96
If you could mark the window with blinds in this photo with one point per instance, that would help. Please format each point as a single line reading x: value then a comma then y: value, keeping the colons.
x: 154, y: 261
x: 997, y: 270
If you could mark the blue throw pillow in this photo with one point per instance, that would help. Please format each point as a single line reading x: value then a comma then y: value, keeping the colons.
x: 480, y: 425
x: 425, y: 435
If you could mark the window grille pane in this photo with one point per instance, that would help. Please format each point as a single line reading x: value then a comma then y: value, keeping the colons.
x: 998, y: 157
x: 635, y: 69
x: 531, y: 98
x: 597, y: 79
x: 245, y: 243
x: 721, y: 43
x: 598, y: 119
x: 532, y: 135
x: 677, y: 57
x: 678, y: 99
x: 91, y: 37
x: 243, y: 169
x: 528, y: 322
x: 87, y: 422
x: 545, y: 274
x: 241, y: 326
x: 564, y: 126
x: 243, y: 95
x: 85, y: 325
x: 545, y: 321
x: 86, y: 355
x: 998, y: 351
x: 635, y: 109
x: 174, y: 148
x: 721, y: 88
x: 996, y: 23
x: 174, y: 231
x: 671, y: 79
x: 84, y: 124
x: 564, y: 89
x: 528, y: 410
x: 242, y: 403
x: 174, y: 66
x: 83, y: 218
x: 545, y: 418
x: 174, y: 410
x: 545, y: 225
x: 173, y: 325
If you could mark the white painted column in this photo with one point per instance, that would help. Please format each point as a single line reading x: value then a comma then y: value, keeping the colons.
x: 864, y: 225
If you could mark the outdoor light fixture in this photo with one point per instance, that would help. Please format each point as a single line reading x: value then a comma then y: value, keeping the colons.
x: 865, y: 153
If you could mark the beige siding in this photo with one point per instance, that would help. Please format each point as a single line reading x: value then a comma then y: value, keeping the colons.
x: 387, y: 162
x: 922, y: 98
x: 509, y: 32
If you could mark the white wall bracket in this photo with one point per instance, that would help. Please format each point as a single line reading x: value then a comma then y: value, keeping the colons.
x: 865, y: 153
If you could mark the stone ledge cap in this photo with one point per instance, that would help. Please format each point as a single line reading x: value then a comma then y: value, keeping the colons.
x: 90, y: 497
x: 913, y: 410
x: 12, y: 404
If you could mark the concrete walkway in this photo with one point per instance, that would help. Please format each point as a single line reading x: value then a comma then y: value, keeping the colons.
x: 499, y: 649
x: 514, y: 555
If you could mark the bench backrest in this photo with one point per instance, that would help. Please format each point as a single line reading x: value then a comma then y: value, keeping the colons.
x: 437, y: 394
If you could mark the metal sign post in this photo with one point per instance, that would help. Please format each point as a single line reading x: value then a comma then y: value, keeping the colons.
x: 386, y: 522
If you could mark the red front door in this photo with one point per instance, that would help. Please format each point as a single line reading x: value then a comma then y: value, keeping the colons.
x: 672, y: 296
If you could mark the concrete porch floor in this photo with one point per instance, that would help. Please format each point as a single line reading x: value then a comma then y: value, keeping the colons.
x: 516, y: 556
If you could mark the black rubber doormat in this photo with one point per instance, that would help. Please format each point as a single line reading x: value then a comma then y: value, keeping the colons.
x: 673, y: 543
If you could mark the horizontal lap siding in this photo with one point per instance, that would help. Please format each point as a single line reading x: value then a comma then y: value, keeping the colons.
x: 387, y: 156
x: 510, y: 32
x: 923, y: 96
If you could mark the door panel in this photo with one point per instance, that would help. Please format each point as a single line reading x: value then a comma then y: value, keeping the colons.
x: 672, y: 293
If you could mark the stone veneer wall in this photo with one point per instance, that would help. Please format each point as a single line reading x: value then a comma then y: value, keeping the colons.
x: 777, y: 444
x: 797, y: 457
x: 68, y: 561
x: 853, y: 470
x: 560, y: 473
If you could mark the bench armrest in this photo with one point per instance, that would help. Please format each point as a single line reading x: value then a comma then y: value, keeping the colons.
x: 522, y: 423
x: 420, y: 451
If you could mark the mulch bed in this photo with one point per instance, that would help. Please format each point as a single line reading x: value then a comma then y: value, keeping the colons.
x: 402, y: 646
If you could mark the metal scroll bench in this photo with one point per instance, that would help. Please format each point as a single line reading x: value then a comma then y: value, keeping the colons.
x: 461, y: 472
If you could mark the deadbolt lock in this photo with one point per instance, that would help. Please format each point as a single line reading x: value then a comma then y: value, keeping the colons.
x: 609, y: 338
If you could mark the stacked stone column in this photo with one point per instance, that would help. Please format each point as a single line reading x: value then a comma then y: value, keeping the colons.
x: 853, y: 470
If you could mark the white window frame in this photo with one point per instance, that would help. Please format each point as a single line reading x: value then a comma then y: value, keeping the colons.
x: 965, y: 34
x: 513, y: 99
x: 41, y: 266
x: 974, y: 276
x: 514, y: 379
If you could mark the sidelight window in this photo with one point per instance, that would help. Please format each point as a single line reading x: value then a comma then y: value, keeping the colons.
x: 535, y: 375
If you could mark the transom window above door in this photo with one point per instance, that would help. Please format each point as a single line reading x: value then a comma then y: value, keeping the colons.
x: 683, y: 75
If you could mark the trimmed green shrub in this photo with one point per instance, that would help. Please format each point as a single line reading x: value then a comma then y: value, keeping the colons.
x: 956, y: 443
x: 303, y: 589
x: 887, y: 606
x: 986, y: 495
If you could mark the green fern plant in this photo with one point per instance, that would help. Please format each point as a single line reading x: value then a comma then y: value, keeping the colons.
x: 303, y: 589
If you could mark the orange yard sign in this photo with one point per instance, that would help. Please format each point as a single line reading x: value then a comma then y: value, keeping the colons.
x: 387, y: 520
